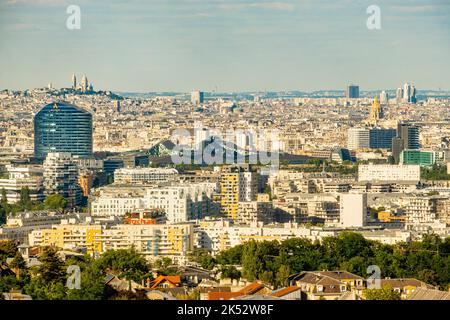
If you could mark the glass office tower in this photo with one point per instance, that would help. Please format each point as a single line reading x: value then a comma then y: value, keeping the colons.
x: 381, y: 138
x: 62, y: 127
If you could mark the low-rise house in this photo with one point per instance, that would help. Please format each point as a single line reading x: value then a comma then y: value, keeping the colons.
x: 356, y: 283
x: 428, y: 294
x: 165, y: 282
x: 405, y: 287
x: 120, y: 285
x: 327, y: 285
x: 193, y: 276
x: 289, y: 293
x: 254, y: 288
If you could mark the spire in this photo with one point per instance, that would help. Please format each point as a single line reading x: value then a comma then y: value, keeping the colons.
x: 74, y: 81
x: 375, y: 111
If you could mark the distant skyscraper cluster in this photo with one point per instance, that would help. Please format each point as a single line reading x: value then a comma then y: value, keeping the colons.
x: 406, y: 94
x: 84, y: 86
x: 384, y: 98
x: 352, y: 92
x: 197, y: 97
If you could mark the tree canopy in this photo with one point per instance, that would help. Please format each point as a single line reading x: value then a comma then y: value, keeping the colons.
x: 55, y: 202
x: 127, y: 264
x: 427, y: 260
x: 384, y: 293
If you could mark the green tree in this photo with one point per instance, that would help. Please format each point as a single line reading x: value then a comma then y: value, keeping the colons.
x: 230, y: 256
x: 39, y: 289
x: 4, y: 207
x: 230, y: 272
x: 203, y: 258
x: 25, y: 200
x: 9, y: 282
x: 49, y: 283
x: 4, y: 199
x: 8, y: 249
x: 281, y: 279
x: 2, y: 215
x: 92, y: 285
x: 52, y: 268
x: 251, y: 263
x: 357, y: 265
x: 266, y: 276
x: 125, y: 263
x: 55, y: 202
x: 428, y: 276
x: 18, y: 262
x: 385, y: 293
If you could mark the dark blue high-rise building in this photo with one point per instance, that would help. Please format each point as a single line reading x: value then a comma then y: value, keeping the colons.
x: 381, y: 138
x: 407, y: 139
x: 352, y: 92
x: 62, y: 127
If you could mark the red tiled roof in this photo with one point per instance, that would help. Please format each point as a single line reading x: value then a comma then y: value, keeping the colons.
x: 251, y: 288
x: 174, y: 280
x: 285, y: 291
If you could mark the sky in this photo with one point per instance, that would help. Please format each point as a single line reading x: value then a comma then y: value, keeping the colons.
x: 225, y: 45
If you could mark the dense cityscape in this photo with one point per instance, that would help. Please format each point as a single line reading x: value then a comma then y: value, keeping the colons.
x: 88, y: 179
x: 224, y: 158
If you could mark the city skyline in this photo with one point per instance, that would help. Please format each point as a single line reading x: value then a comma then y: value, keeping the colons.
x: 225, y: 46
x: 245, y: 151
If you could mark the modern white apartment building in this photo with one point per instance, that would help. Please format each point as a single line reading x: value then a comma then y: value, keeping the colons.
x: 255, y: 211
x: 17, y: 228
x: 61, y: 177
x: 19, y: 177
x: 387, y: 172
x: 144, y: 175
x: 68, y: 236
x: 218, y: 235
x: 153, y: 241
x: 353, y: 210
x: 387, y: 236
x: 116, y: 205
x: 180, y: 202
x: 307, y: 207
x: 358, y: 138
x: 183, y: 202
x: 422, y: 209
